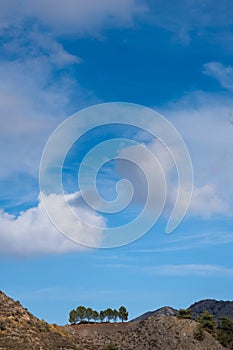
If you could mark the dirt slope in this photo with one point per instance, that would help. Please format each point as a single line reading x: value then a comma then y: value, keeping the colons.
x: 20, y: 330
x: 157, y: 332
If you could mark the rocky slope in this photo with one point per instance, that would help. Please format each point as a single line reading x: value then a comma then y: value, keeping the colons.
x: 217, y: 308
x: 20, y: 330
x: 157, y: 332
x: 166, y: 311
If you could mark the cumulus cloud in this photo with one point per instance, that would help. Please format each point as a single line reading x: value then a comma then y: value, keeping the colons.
x: 203, y: 121
x: 206, y: 199
x: 143, y: 170
x: 31, y: 233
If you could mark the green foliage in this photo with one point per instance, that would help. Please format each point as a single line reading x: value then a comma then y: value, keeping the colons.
x: 199, y: 333
x: 81, y: 313
x: 123, y: 314
x: 95, y: 315
x: 109, y: 314
x: 111, y: 346
x: 89, y: 314
x: 115, y: 315
x: 185, y: 314
x: 207, y: 321
x: 102, y: 316
x: 225, y: 332
x: 222, y: 330
x: 73, y: 316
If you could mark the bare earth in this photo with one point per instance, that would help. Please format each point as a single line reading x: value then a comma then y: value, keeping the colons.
x: 157, y: 332
x: 20, y: 330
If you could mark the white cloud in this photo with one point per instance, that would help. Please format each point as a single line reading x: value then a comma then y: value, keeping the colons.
x: 186, y: 18
x: 223, y: 74
x: 29, y: 111
x: 190, y: 270
x: 206, y: 199
x: 190, y: 241
x: 73, y: 16
x: 32, y: 233
x: 206, y: 202
x: 203, y: 121
x: 35, y: 96
x: 143, y: 170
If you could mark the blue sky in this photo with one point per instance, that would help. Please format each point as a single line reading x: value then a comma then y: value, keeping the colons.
x: 58, y: 57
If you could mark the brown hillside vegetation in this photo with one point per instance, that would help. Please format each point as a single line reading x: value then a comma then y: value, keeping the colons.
x: 20, y: 330
x: 157, y: 332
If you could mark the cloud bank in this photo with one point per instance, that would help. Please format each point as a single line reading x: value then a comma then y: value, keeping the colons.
x: 31, y: 233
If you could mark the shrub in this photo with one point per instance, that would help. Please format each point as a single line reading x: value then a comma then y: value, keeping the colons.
x: 111, y: 346
x: 184, y: 313
x: 199, y: 333
x: 3, y: 325
x: 225, y: 332
x: 207, y: 322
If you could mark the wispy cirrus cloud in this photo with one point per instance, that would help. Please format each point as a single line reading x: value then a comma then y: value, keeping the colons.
x: 187, y: 18
x: 73, y: 16
x: 190, y: 270
x: 222, y: 73
x: 190, y: 241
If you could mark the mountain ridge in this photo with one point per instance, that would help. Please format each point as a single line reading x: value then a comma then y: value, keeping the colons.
x: 20, y: 330
x: 219, y: 308
x: 165, y: 310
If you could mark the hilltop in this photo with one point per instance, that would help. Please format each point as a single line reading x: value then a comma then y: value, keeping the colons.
x: 20, y: 330
x: 157, y: 332
x: 218, y: 308
x: 165, y: 311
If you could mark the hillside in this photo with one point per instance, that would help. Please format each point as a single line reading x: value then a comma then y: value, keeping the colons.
x: 217, y: 308
x: 165, y: 311
x: 157, y: 332
x: 20, y: 330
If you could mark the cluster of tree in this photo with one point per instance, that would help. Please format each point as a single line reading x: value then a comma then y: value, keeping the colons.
x: 221, y: 329
x: 81, y: 313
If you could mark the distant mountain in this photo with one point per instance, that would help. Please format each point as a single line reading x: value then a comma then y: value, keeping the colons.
x: 218, y: 308
x: 165, y: 311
